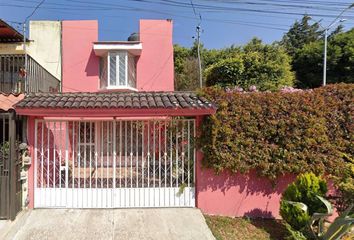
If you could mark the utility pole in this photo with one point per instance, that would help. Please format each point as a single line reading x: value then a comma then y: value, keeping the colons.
x: 25, y: 50
x: 199, y: 60
x: 335, y: 21
x: 325, y: 58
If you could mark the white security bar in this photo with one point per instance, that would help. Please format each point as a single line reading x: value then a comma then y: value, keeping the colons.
x: 115, y: 163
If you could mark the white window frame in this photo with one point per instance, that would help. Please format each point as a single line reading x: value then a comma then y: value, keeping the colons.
x: 118, y: 55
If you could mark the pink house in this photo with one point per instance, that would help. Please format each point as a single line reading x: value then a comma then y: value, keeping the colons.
x: 117, y: 135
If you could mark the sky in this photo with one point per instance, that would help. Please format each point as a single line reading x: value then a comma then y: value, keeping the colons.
x: 223, y: 22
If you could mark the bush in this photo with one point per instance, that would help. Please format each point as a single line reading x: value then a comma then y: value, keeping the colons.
x: 265, y: 66
x: 226, y: 72
x: 345, y: 185
x: 305, y: 189
x: 277, y: 133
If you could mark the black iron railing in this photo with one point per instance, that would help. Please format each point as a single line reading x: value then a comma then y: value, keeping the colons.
x: 14, y: 77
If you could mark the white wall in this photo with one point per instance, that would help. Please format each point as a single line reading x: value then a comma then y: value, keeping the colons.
x: 45, y: 46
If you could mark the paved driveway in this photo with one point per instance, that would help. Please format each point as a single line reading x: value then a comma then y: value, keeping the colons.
x: 169, y: 223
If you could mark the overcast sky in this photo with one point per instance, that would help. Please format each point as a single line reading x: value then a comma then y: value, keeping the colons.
x: 224, y: 22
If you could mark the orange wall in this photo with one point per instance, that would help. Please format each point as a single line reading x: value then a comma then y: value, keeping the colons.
x: 80, y: 64
x: 155, y: 71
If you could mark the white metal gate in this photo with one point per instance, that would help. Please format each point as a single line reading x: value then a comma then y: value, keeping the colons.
x: 115, y: 163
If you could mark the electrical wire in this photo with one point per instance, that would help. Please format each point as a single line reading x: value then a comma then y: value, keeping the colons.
x: 35, y: 9
x: 96, y: 6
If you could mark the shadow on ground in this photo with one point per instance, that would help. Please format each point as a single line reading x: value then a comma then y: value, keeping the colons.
x: 275, y: 228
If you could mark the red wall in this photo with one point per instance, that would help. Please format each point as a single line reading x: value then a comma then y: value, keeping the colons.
x: 80, y: 64
x: 155, y: 71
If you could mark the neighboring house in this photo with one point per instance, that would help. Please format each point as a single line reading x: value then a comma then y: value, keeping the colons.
x: 19, y: 73
x: 117, y: 135
x: 42, y: 58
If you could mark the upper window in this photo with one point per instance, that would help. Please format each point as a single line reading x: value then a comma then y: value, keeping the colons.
x: 118, y: 70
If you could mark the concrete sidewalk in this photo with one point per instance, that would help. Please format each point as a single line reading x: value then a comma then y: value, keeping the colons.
x: 9, y: 228
x: 168, y: 223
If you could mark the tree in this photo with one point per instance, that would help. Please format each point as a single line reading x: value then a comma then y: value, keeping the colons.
x: 186, y: 63
x: 186, y: 69
x: 226, y: 72
x: 265, y: 66
x: 308, y: 62
x: 299, y: 34
x: 308, y: 65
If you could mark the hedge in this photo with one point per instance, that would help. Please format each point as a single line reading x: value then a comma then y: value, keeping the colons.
x: 277, y: 133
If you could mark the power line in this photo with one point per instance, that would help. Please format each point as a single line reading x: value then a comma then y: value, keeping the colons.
x: 253, y: 24
x: 198, y: 30
x: 108, y: 6
x: 95, y: 6
x: 35, y: 9
x: 193, y: 8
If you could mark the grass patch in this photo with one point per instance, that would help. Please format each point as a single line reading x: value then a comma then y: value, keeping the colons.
x: 227, y: 228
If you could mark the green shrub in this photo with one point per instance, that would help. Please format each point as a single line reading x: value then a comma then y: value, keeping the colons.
x: 277, y: 133
x: 345, y: 185
x: 293, y: 234
x: 265, y: 66
x: 304, y: 189
x: 226, y: 72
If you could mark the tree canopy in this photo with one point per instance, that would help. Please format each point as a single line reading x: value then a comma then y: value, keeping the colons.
x: 297, y: 60
x: 265, y: 66
x: 308, y: 62
x: 300, y: 33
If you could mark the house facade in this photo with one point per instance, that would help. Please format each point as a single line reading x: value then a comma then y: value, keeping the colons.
x: 30, y: 64
x: 117, y: 134
x: 26, y: 65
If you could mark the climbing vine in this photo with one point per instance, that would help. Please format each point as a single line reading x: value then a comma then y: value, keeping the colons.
x: 280, y: 132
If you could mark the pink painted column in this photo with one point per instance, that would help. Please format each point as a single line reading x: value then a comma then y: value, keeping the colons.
x: 80, y: 64
x: 31, y: 140
x: 155, y: 69
x: 199, y: 157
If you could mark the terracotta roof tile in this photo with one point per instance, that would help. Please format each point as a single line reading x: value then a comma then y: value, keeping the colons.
x: 136, y: 100
x: 8, y: 101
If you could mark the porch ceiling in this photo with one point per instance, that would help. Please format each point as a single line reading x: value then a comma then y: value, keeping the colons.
x: 115, y: 104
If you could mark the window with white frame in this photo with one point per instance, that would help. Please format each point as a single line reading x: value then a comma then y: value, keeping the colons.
x: 118, y: 70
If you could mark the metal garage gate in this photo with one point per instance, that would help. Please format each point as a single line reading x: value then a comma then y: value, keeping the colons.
x: 115, y: 163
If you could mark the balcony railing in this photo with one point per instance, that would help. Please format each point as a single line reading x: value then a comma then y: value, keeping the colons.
x: 14, y: 79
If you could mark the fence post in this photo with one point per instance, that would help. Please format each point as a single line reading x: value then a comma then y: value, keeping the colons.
x: 12, y: 165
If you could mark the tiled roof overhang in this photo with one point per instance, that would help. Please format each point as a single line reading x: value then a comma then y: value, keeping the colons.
x: 8, y: 34
x: 115, y: 104
x: 8, y: 100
